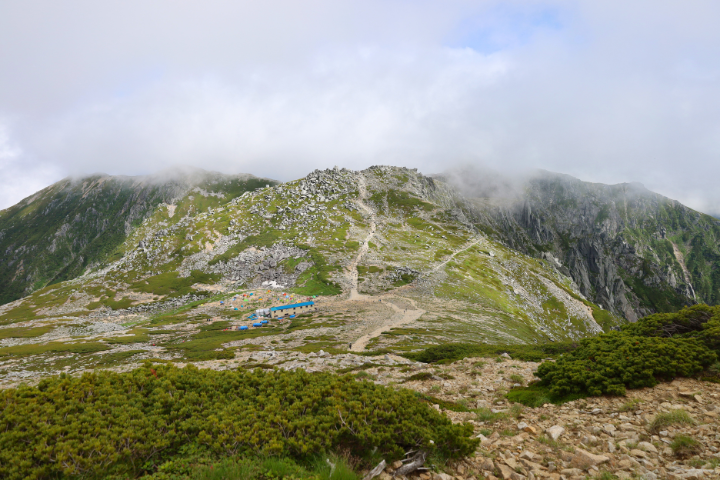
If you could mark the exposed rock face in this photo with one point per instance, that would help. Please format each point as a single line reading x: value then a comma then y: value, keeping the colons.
x: 253, y: 267
x: 630, y: 250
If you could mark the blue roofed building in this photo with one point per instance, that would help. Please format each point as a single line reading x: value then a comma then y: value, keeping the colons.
x: 294, y: 309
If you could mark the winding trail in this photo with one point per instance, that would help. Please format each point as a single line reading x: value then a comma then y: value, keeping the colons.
x: 352, y: 273
x: 401, y: 317
x: 444, y: 262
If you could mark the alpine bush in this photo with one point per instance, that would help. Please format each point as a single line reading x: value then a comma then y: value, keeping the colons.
x: 451, y: 352
x: 658, y: 347
x: 125, y: 424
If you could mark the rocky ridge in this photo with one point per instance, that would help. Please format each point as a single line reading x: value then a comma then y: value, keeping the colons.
x: 628, y: 249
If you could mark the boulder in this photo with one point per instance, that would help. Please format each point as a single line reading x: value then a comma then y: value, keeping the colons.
x: 555, y: 431
x: 647, y: 447
x: 442, y: 476
x: 584, y: 459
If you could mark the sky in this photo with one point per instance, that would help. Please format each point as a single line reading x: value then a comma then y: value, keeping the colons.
x: 607, y: 91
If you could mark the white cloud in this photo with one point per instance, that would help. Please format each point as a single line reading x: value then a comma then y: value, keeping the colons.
x: 18, y: 177
x: 607, y: 91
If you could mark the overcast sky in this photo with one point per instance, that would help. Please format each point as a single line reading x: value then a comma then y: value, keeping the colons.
x: 609, y: 91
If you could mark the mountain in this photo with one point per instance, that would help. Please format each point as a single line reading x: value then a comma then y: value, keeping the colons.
x: 117, y: 270
x: 76, y: 224
x: 631, y: 250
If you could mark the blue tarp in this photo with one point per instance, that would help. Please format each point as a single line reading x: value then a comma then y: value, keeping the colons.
x: 257, y: 324
x: 243, y: 327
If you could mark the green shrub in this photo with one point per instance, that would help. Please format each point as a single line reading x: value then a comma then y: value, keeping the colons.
x: 658, y: 347
x: 126, y: 424
x: 55, y: 347
x: 689, y: 320
x: 536, y: 395
x: 673, y: 417
x: 515, y: 378
x: 611, y: 362
x: 24, y: 332
x: 685, y: 446
x: 421, y: 377
x: 451, y: 352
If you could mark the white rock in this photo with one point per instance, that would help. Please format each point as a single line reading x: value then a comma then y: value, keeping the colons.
x: 647, y: 446
x: 555, y: 431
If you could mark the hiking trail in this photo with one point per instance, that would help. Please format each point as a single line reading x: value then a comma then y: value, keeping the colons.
x: 404, y: 317
x: 352, y: 272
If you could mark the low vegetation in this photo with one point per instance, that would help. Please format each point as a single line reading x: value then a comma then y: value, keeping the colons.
x: 657, y: 347
x: 156, y: 417
x: 669, y: 419
x: 266, y: 468
x: 171, y: 285
x: 685, y: 446
x: 452, y: 352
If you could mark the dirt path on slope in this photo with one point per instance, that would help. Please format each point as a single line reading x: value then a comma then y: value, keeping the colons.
x: 352, y: 272
x: 444, y: 262
x: 401, y: 317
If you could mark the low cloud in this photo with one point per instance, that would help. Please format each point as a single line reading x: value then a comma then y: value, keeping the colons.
x: 605, y: 91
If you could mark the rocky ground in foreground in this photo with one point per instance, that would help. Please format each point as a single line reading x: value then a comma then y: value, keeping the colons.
x: 596, y: 437
x: 589, y: 438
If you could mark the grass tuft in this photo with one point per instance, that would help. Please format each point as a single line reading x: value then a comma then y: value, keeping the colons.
x: 684, y: 446
x: 674, y: 417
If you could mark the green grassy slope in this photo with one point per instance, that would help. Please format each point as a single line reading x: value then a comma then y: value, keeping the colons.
x: 56, y: 234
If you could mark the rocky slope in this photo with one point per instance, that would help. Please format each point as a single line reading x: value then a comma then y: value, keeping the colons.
x: 76, y: 224
x: 399, y: 270
x: 630, y: 250
x: 403, y: 260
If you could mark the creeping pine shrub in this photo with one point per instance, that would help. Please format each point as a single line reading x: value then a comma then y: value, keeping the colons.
x: 451, y: 352
x: 126, y: 424
x: 422, y: 376
x: 610, y: 362
x: 658, y: 347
